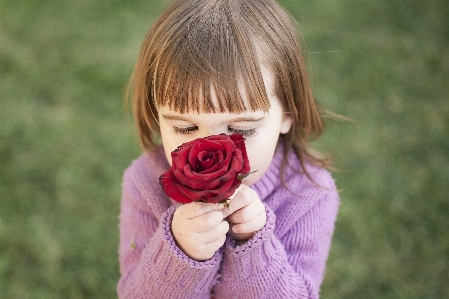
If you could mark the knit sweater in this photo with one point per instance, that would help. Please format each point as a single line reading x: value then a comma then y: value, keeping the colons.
x: 285, y: 259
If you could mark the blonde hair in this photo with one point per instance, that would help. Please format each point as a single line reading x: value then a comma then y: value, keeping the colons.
x: 196, y: 46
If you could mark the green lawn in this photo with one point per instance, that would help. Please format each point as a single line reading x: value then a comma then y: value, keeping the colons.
x: 65, y: 140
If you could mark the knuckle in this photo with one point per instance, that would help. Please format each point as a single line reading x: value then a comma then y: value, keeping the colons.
x: 246, y: 215
x: 223, y: 228
x: 216, y: 217
x: 247, y: 195
x: 201, y: 208
x: 247, y: 191
x: 204, y: 208
x: 222, y: 241
x: 243, y: 215
x: 226, y: 225
x: 235, y: 217
x: 207, y: 222
x: 217, y: 244
x: 245, y: 227
x: 211, y: 219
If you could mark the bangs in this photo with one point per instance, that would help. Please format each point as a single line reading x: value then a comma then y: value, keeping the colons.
x: 210, y: 65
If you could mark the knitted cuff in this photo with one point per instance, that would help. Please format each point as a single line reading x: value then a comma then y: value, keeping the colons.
x: 240, y: 262
x: 175, y: 267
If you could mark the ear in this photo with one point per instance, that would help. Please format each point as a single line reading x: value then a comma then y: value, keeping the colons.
x: 286, y: 124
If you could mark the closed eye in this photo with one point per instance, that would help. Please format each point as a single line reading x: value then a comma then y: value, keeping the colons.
x: 192, y: 129
x: 244, y: 133
x: 185, y: 131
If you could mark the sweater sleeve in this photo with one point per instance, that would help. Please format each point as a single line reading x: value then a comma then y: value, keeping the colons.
x: 287, y: 266
x: 151, y: 264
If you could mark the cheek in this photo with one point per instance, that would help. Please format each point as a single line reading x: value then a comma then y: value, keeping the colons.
x: 259, y: 159
x: 172, y: 141
x: 170, y: 145
x: 168, y: 155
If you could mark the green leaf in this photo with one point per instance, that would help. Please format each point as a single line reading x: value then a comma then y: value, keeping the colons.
x: 225, y: 202
x: 241, y: 177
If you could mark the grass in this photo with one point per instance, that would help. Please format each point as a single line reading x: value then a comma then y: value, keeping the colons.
x: 65, y: 141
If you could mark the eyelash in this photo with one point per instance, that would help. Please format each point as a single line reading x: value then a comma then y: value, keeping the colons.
x: 184, y: 131
x: 244, y: 133
x: 190, y: 130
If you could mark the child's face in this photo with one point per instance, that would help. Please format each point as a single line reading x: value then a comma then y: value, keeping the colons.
x: 260, y: 129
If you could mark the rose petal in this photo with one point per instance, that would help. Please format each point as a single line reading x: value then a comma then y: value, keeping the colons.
x: 236, y: 165
x: 221, y: 193
x: 206, y: 169
x: 229, y: 148
x: 198, y: 180
x: 240, y: 144
x: 207, y: 160
x: 187, y: 192
x: 195, y: 182
x: 227, y: 156
x: 180, y: 157
x: 219, y: 137
x: 200, y: 146
x: 179, y: 174
x: 190, y: 174
x: 213, y: 184
x: 169, y: 185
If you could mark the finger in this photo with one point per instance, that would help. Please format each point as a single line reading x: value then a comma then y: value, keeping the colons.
x: 217, y: 233
x: 207, y: 251
x: 246, y: 213
x: 216, y: 244
x: 241, y: 199
x: 206, y: 222
x: 195, y: 209
x: 254, y: 225
x: 236, y: 191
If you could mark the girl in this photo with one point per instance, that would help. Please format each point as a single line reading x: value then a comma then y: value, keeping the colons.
x: 226, y: 66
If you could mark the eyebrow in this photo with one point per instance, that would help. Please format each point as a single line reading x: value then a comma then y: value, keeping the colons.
x: 239, y: 119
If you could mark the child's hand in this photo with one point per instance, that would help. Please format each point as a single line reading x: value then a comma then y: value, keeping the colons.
x: 246, y: 214
x: 199, y: 229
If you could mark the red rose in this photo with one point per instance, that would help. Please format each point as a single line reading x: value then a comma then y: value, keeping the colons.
x: 206, y: 169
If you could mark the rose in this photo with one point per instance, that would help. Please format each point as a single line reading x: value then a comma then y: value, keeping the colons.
x: 207, y: 169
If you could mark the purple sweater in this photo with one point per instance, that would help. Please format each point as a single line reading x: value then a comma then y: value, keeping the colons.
x: 286, y: 259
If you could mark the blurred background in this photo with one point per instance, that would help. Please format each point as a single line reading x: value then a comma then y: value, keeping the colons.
x: 65, y: 140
